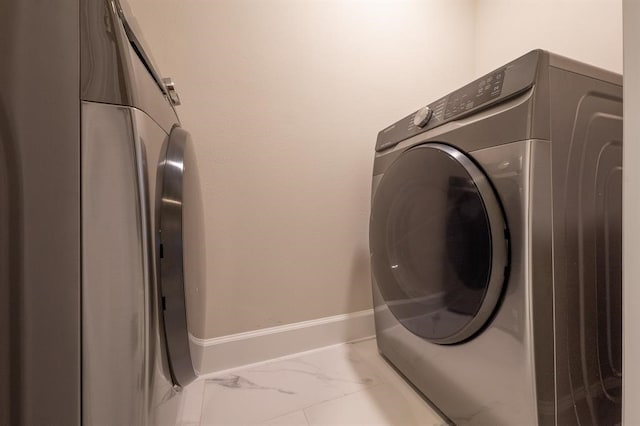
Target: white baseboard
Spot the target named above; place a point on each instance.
(222, 353)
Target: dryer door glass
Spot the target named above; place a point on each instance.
(181, 251)
(439, 243)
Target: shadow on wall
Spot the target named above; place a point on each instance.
(359, 278)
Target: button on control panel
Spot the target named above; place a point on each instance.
(503, 83)
(474, 94)
(422, 116)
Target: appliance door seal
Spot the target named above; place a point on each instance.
(439, 243)
(181, 248)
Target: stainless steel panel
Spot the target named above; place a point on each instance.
(115, 272)
(180, 234)
(39, 227)
(540, 231)
(501, 124)
(456, 378)
(574, 66)
(112, 71)
(125, 379)
(587, 154)
(164, 397)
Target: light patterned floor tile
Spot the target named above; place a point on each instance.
(368, 351)
(380, 405)
(191, 408)
(343, 384)
(296, 418)
(259, 393)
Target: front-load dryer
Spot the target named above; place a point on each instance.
(495, 239)
(142, 228)
(101, 222)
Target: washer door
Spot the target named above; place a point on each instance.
(181, 250)
(439, 243)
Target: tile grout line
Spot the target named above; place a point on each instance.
(304, 413)
(281, 415)
(303, 409)
(204, 385)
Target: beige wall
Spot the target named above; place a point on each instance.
(587, 30)
(284, 99)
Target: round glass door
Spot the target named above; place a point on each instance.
(439, 243)
(181, 251)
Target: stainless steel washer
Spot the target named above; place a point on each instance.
(101, 222)
(495, 240)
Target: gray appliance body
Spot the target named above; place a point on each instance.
(545, 133)
(103, 218)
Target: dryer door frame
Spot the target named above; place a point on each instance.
(444, 282)
(181, 248)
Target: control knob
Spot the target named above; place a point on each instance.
(422, 117)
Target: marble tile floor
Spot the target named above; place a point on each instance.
(348, 384)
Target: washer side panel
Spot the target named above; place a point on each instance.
(586, 132)
(40, 135)
(114, 368)
(541, 278)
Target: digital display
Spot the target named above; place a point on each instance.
(474, 94)
(485, 91)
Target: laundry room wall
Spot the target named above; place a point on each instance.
(284, 100)
(586, 30)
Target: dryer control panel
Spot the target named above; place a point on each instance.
(497, 86)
